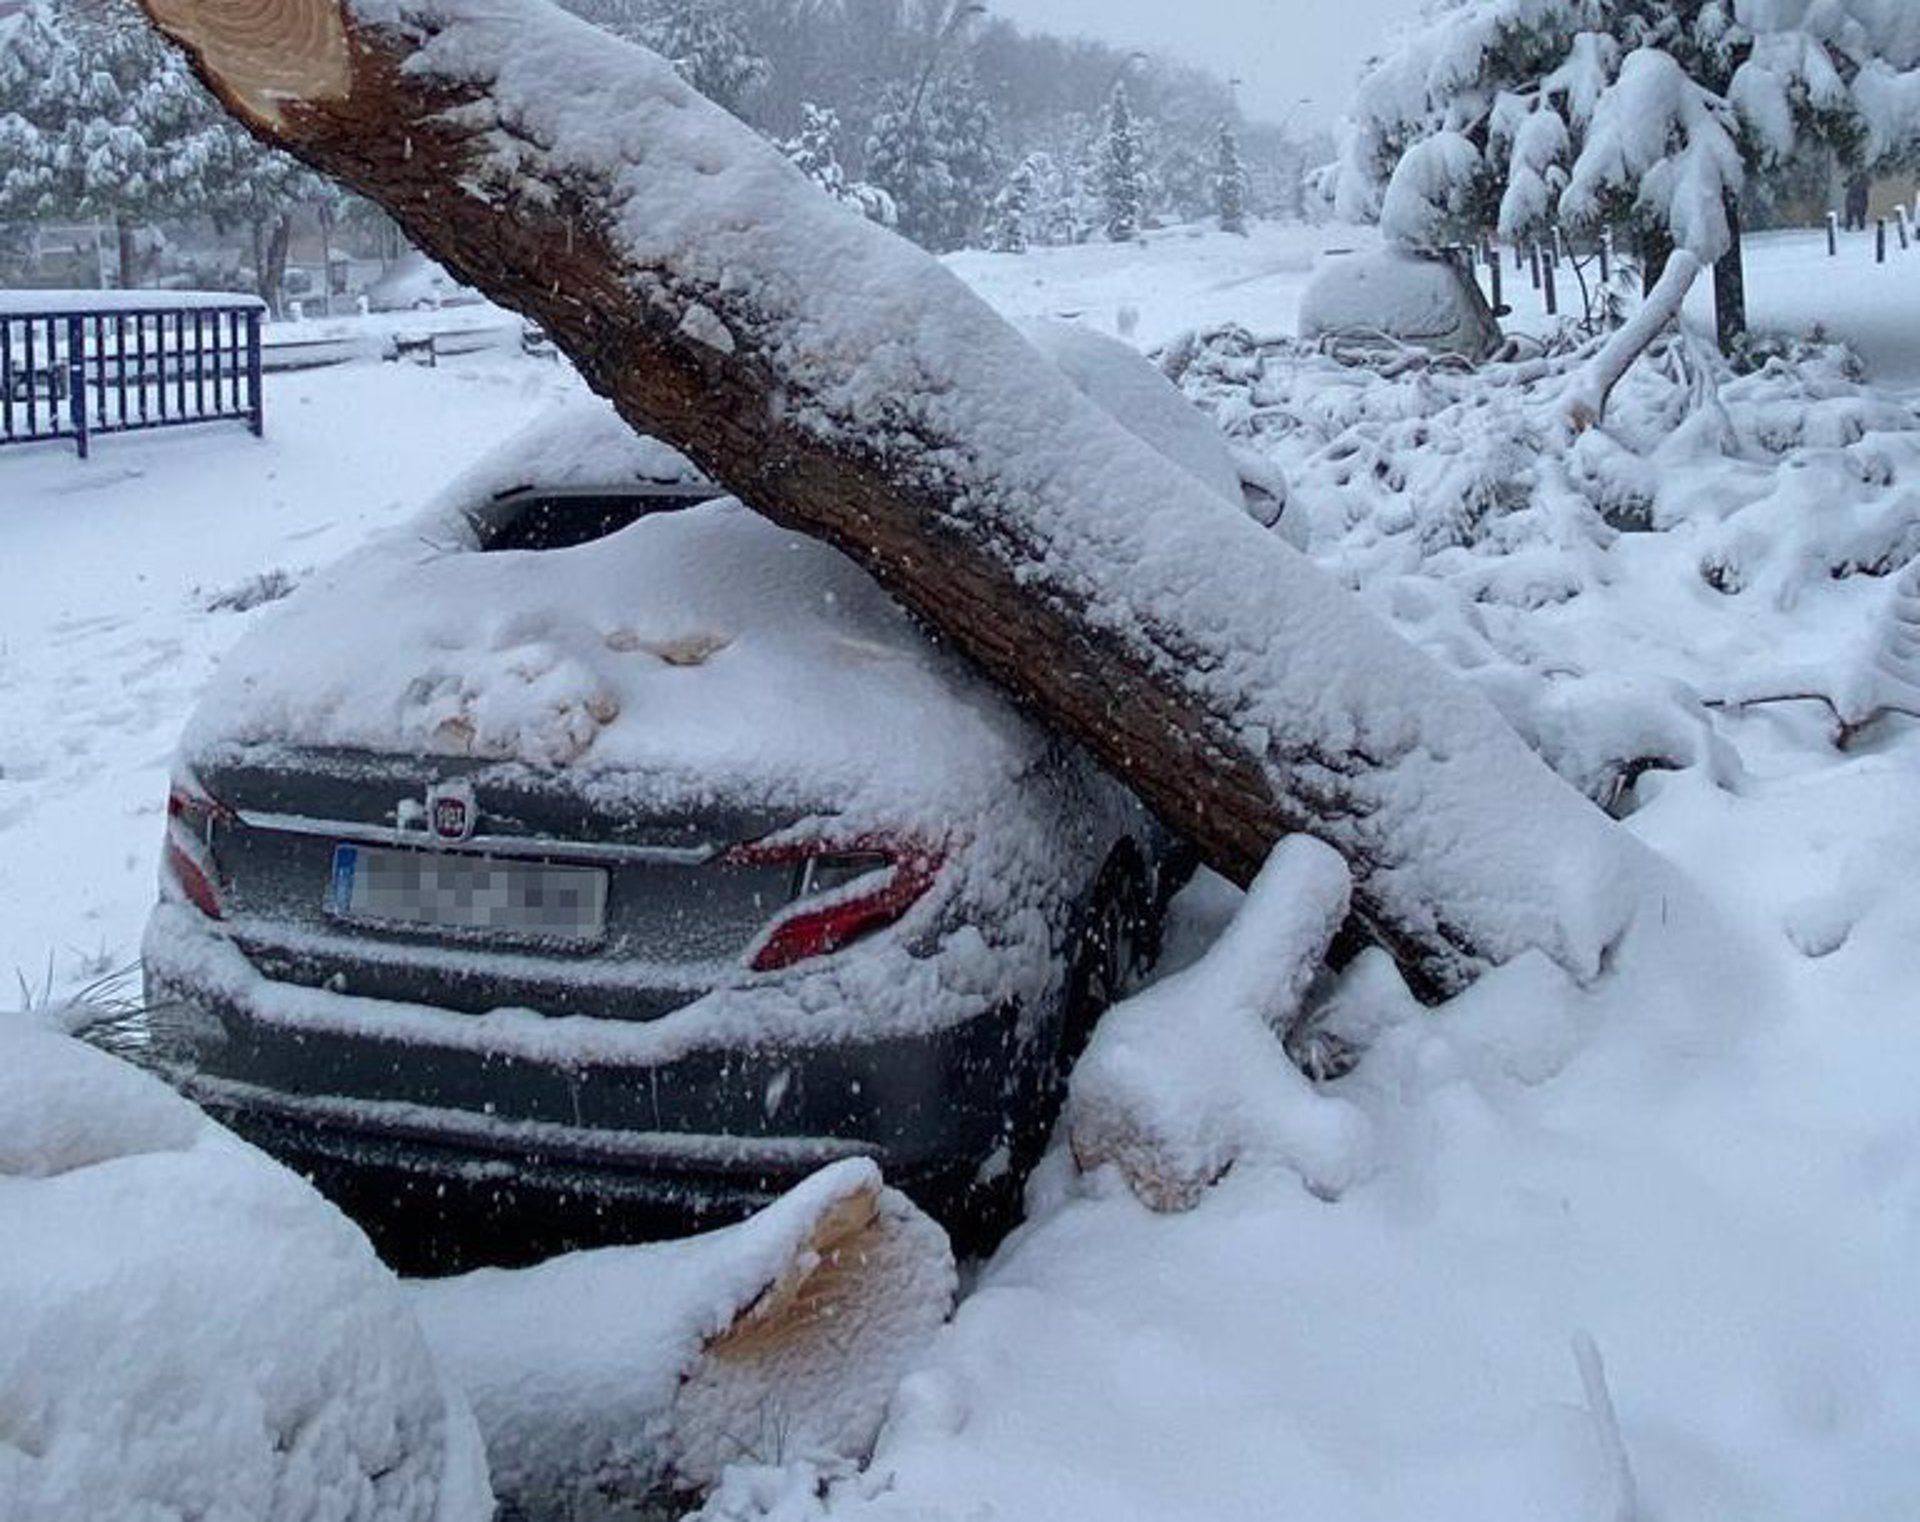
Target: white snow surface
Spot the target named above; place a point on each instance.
(1721, 1188)
(188, 1330)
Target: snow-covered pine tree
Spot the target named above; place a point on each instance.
(706, 41)
(1122, 182)
(107, 120)
(1229, 181)
(99, 118)
(1007, 226)
(815, 153)
(935, 151)
(1641, 115)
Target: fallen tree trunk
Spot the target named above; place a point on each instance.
(847, 385)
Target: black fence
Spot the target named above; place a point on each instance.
(110, 368)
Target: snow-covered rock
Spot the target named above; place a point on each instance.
(188, 1330)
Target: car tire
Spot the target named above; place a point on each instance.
(1111, 945)
(1114, 942)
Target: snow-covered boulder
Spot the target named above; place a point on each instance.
(1414, 298)
(188, 1330)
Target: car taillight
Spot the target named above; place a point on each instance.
(192, 813)
(842, 891)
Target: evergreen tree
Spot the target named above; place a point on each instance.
(101, 118)
(934, 151)
(1007, 229)
(1122, 186)
(1229, 181)
(707, 44)
(814, 153)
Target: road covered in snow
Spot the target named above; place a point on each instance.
(1638, 1250)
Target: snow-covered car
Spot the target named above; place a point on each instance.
(1426, 298)
(414, 283)
(592, 840)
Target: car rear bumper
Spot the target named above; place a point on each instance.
(585, 1143)
(440, 1191)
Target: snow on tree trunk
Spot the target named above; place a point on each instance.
(850, 387)
(1189, 1076)
(1586, 403)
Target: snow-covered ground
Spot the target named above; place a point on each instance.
(122, 575)
(1637, 1252)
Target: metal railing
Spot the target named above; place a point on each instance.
(93, 363)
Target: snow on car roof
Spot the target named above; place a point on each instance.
(703, 649)
(1113, 374)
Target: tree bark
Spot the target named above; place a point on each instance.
(1656, 248)
(129, 253)
(848, 386)
(272, 236)
(1730, 286)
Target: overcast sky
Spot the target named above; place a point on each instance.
(1283, 51)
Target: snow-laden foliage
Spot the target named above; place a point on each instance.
(934, 150)
(1521, 114)
(1007, 231)
(706, 41)
(99, 118)
(815, 154)
(1458, 502)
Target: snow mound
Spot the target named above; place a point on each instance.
(1189, 1077)
(187, 1330)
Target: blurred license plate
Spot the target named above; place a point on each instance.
(476, 893)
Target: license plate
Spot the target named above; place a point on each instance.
(527, 900)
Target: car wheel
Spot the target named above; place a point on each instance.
(1107, 954)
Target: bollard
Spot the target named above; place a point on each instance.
(1533, 263)
(1880, 240)
(1833, 235)
(1548, 289)
(1900, 225)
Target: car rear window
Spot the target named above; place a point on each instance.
(553, 518)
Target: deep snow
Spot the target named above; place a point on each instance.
(1710, 1171)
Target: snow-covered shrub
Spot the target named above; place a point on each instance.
(1739, 521)
(188, 1330)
